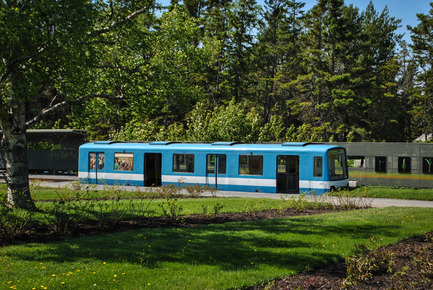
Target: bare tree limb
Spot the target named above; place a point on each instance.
(55, 107)
(117, 24)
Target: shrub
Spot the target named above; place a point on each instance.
(366, 261)
(13, 222)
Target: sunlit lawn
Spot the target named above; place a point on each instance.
(392, 192)
(221, 256)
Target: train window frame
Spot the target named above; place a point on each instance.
(318, 166)
(427, 165)
(380, 164)
(101, 160)
(337, 164)
(183, 163)
(404, 164)
(127, 165)
(222, 163)
(250, 165)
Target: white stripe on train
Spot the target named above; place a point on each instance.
(211, 180)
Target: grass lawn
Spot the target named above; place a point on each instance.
(391, 192)
(230, 255)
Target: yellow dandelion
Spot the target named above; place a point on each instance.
(115, 276)
(54, 275)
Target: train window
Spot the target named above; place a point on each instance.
(92, 161)
(210, 163)
(404, 164)
(287, 164)
(380, 164)
(318, 166)
(427, 165)
(337, 164)
(183, 163)
(96, 160)
(123, 161)
(356, 161)
(251, 164)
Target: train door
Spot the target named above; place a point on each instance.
(215, 166)
(96, 166)
(287, 174)
(152, 169)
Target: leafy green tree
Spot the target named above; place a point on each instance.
(233, 122)
(159, 71)
(49, 53)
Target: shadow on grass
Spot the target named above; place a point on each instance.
(293, 244)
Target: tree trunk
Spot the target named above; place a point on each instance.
(14, 143)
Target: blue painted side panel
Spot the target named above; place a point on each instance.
(237, 182)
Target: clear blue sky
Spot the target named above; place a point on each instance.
(406, 10)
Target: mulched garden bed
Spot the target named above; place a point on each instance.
(412, 265)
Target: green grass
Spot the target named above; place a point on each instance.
(230, 255)
(91, 209)
(391, 192)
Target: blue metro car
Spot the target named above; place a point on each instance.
(227, 166)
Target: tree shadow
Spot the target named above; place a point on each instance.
(292, 244)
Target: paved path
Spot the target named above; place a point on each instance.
(374, 202)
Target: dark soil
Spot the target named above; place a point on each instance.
(412, 268)
(411, 275)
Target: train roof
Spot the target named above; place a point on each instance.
(229, 146)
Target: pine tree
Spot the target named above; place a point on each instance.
(422, 47)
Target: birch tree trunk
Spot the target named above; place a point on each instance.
(14, 143)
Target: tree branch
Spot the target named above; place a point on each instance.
(117, 24)
(55, 107)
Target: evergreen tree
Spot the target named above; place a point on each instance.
(217, 81)
(378, 84)
(325, 94)
(276, 53)
(242, 21)
(422, 47)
